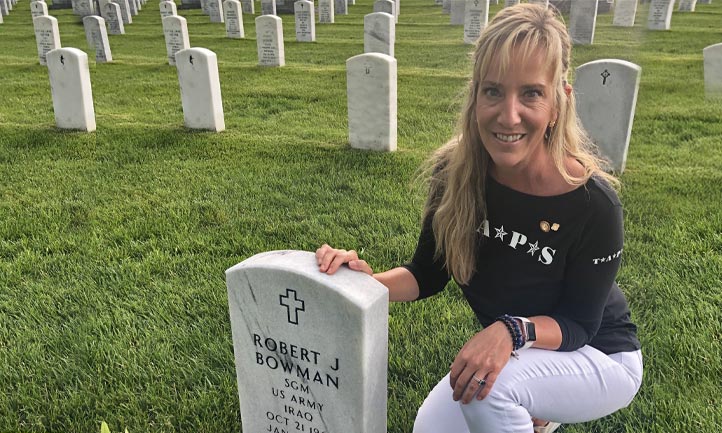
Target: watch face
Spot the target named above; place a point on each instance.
(530, 331)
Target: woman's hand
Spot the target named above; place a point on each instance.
(330, 259)
(483, 357)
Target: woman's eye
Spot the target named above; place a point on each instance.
(492, 92)
(534, 93)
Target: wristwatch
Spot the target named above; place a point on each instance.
(529, 332)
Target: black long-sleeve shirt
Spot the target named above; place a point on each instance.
(556, 256)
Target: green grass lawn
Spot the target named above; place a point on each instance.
(113, 244)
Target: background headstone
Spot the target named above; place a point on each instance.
(71, 90)
(713, 71)
(583, 21)
(372, 101)
(606, 92)
(311, 349)
(340, 7)
(47, 36)
(540, 2)
(124, 11)
(476, 17)
(305, 21)
(379, 33)
(687, 5)
(215, 11)
(269, 41)
(446, 7)
(4, 7)
(190, 4)
(660, 15)
(624, 13)
(38, 8)
(167, 9)
(562, 5)
(325, 11)
(83, 8)
(508, 3)
(268, 7)
(114, 18)
(97, 36)
(385, 6)
(175, 29)
(200, 89)
(234, 19)
(248, 7)
(457, 12)
(132, 8)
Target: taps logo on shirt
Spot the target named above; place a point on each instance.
(607, 259)
(544, 255)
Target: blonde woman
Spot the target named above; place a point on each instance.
(521, 214)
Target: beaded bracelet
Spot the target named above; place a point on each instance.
(517, 337)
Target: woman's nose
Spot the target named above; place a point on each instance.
(509, 112)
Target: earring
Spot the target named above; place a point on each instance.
(552, 124)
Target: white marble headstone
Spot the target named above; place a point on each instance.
(175, 29)
(305, 21)
(1, 17)
(340, 7)
(4, 8)
(97, 36)
(83, 8)
(540, 2)
(372, 101)
(476, 17)
(38, 8)
(606, 92)
(311, 349)
(457, 12)
(248, 7)
(268, 7)
(269, 41)
(234, 19)
(124, 11)
(101, 9)
(47, 35)
(379, 33)
(71, 90)
(624, 13)
(508, 3)
(215, 11)
(133, 7)
(325, 11)
(114, 18)
(687, 5)
(660, 15)
(713, 71)
(200, 89)
(167, 9)
(385, 6)
(583, 21)
(446, 7)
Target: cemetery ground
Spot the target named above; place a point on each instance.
(113, 244)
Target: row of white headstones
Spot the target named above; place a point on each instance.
(6, 6)
(606, 90)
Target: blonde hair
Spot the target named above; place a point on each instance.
(456, 194)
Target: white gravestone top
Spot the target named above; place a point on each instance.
(167, 9)
(379, 33)
(269, 41)
(340, 7)
(713, 71)
(200, 89)
(114, 18)
(268, 7)
(544, 3)
(47, 35)
(71, 90)
(4, 8)
(325, 11)
(508, 3)
(660, 15)
(215, 11)
(305, 21)
(476, 17)
(624, 13)
(687, 5)
(124, 11)
(38, 8)
(233, 12)
(248, 7)
(311, 349)
(83, 7)
(175, 29)
(372, 101)
(385, 6)
(583, 21)
(606, 92)
(97, 36)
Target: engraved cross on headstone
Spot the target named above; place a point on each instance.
(292, 315)
(605, 75)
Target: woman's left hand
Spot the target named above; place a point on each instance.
(483, 357)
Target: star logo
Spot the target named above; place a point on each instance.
(533, 248)
(500, 233)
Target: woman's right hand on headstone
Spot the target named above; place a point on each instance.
(330, 259)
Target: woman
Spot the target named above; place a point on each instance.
(522, 216)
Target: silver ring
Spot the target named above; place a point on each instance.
(481, 382)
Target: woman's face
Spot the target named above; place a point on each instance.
(513, 111)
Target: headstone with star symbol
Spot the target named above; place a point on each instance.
(200, 88)
(476, 17)
(311, 349)
(305, 21)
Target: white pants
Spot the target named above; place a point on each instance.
(564, 387)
